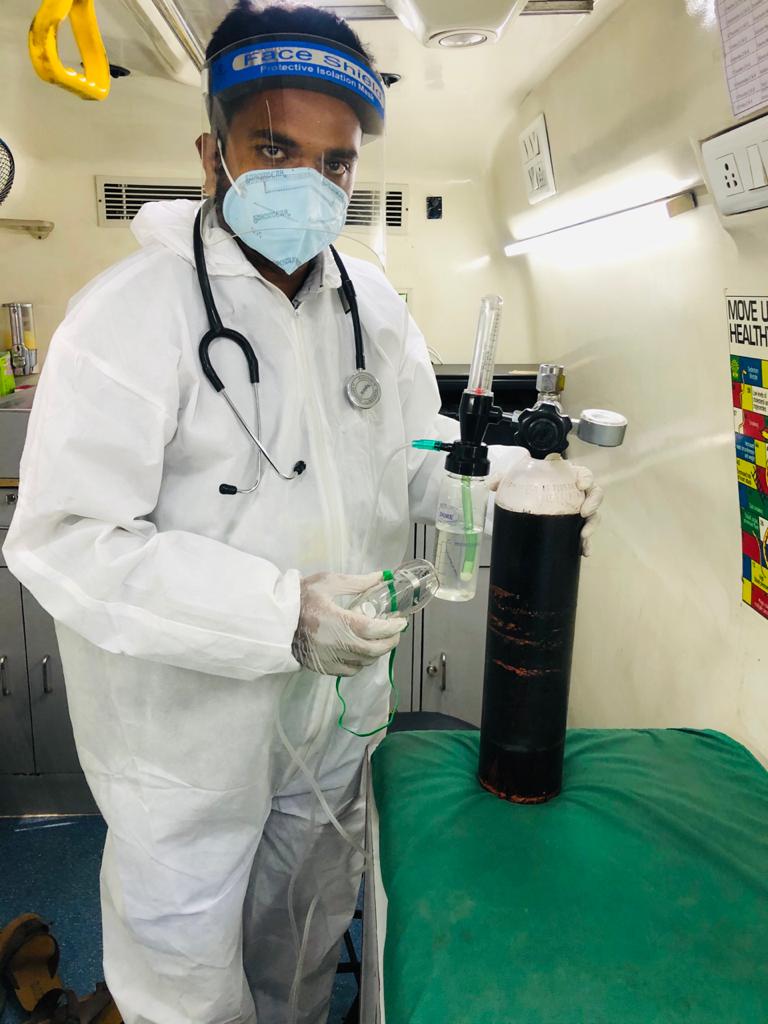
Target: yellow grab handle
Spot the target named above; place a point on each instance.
(94, 83)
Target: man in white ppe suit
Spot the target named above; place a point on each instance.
(194, 626)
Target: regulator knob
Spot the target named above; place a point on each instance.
(543, 430)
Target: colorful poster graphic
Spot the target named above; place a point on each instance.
(748, 331)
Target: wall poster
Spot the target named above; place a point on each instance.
(744, 30)
(748, 331)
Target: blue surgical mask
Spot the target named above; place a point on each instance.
(288, 215)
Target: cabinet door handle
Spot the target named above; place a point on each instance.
(433, 670)
(47, 688)
(3, 685)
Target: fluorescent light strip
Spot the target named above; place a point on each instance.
(678, 202)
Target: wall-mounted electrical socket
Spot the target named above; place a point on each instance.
(728, 174)
(736, 167)
(537, 161)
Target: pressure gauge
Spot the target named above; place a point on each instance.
(601, 427)
(363, 390)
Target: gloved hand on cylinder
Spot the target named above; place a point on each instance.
(333, 641)
(593, 497)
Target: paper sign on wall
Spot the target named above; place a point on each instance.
(748, 330)
(744, 29)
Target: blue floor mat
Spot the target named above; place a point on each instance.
(50, 867)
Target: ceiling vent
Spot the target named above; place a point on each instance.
(365, 208)
(120, 199)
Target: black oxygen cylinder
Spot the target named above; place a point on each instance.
(534, 583)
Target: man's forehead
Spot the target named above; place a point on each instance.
(301, 112)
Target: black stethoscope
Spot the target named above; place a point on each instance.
(362, 388)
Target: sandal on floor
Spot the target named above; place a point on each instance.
(105, 1006)
(29, 959)
(60, 1006)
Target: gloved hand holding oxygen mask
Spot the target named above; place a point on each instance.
(336, 641)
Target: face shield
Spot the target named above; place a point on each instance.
(291, 124)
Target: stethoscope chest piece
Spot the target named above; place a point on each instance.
(363, 389)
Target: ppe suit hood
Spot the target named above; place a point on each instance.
(170, 225)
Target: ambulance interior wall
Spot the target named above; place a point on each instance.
(146, 128)
(635, 309)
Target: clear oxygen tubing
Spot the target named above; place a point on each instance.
(293, 1001)
(301, 947)
(422, 444)
(425, 445)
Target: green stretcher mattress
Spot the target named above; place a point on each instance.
(638, 896)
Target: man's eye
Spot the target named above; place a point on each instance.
(273, 152)
(338, 167)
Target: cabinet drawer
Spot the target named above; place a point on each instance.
(9, 495)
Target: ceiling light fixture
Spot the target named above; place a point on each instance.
(454, 39)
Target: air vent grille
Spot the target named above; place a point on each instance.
(365, 208)
(119, 200)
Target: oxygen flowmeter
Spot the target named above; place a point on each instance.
(463, 498)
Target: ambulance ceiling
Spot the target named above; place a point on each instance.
(539, 38)
(445, 114)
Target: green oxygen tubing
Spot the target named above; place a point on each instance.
(388, 577)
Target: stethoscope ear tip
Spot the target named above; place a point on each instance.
(227, 489)
(299, 468)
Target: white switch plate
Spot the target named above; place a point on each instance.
(736, 168)
(537, 161)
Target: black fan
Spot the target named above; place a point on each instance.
(7, 168)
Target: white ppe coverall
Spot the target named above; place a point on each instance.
(176, 605)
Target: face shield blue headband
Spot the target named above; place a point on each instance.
(289, 215)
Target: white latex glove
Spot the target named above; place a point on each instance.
(333, 641)
(593, 497)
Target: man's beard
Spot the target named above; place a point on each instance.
(222, 187)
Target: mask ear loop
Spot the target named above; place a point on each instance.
(232, 181)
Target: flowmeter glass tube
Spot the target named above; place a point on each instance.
(487, 337)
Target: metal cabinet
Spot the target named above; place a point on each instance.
(51, 727)
(453, 647)
(16, 745)
(454, 655)
(440, 661)
(39, 769)
(35, 731)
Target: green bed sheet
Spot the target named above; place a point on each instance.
(638, 896)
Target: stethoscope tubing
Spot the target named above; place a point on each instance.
(217, 330)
